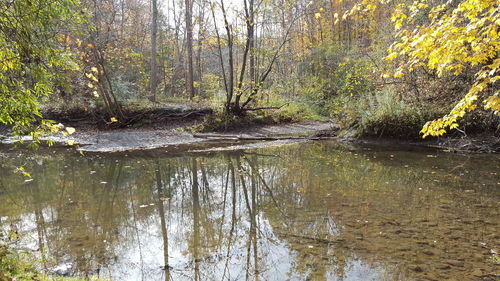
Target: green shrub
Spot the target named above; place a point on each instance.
(386, 114)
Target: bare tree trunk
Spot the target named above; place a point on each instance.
(189, 46)
(154, 70)
(251, 35)
(201, 35)
(237, 108)
(230, 42)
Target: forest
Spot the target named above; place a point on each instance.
(397, 69)
(249, 140)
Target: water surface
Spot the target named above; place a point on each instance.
(315, 211)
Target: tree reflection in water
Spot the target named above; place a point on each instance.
(310, 212)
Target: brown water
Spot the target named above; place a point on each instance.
(316, 211)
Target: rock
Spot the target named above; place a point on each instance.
(455, 263)
(417, 268)
(429, 252)
(443, 266)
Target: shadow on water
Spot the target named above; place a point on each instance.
(316, 211)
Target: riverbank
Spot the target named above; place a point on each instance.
(479, 143)
(175, 137)
(176, 129)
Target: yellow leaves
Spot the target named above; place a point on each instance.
(317, 15)
(90, 45)
(438, 127)
(386, 75)
(94, 69)
(493, 103)
(398, 74)
(422, 6)
(391, 56)
(371, 7)
(70, 130)
(454, 40)
(71, 142)
(22, 171)
(91, 76)
(398, 17)
(113, 120)
(90, 85)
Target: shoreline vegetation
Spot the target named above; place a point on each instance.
(159, 123)
(380, 71)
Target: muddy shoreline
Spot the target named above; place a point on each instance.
(175, 137)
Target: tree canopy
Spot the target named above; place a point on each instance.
(33, 61)
(370, 64)
(456, 37)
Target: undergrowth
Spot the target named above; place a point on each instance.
(292, 112)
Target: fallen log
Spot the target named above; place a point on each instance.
(264, 138)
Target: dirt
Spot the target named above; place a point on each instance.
(166, 128)
(175, 138)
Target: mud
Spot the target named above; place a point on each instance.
(175, 138)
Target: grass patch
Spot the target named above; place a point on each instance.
(384, 114)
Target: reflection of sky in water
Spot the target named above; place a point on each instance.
(102, 216)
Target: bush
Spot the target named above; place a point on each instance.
(386, 114)
(333, 76)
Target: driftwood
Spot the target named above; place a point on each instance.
(264, 138)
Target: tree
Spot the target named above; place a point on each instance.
(242, 88)
(154, 70)
(33, 60)
(457, 36)
(189, 46)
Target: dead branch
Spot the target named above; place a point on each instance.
(263, 138)
(265, 108)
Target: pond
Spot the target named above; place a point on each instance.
(313, 211)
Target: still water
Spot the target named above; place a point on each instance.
(315, 211)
